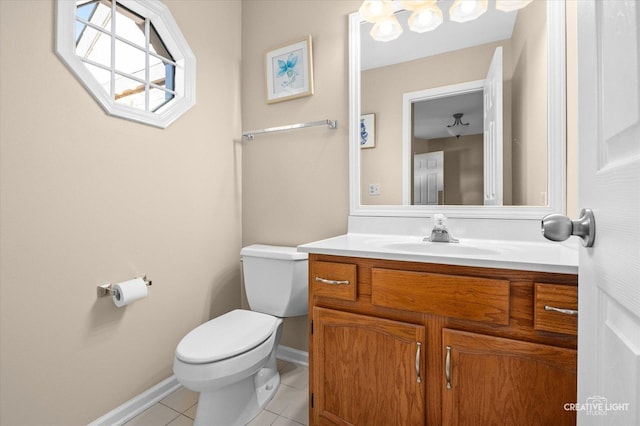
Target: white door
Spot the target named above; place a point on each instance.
(492, 93)
(428, 177)
(609, 184)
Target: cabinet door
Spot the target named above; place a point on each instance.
(490, 380)
(367, 371)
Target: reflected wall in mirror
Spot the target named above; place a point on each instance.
(511, 154)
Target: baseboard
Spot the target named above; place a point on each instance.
(122, 414)
(138, 404)
(295, 356)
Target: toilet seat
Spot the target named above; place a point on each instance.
(226, 336)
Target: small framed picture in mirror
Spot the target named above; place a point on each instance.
(368, 131)
(289, 71)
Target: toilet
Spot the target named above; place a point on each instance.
(231, 360)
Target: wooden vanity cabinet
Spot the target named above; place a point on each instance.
(491, 380)
(370, 368)
(408, 343)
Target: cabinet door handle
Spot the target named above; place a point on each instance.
(332, 282)
(447, 367)
(419, 380)
(561, 310)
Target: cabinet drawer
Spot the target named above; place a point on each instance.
(556, 308)
(332, 279)
(471, 298)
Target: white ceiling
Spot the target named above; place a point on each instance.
(432, 116)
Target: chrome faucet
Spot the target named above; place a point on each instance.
(440, 233)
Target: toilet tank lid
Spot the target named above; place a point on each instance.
(273, 252)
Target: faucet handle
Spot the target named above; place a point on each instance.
(440, 233)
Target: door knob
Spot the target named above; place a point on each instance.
(557, 227)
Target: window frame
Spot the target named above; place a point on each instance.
(185, 62)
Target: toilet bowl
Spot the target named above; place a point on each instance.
(230, 360)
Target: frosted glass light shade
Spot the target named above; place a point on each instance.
(376, 10)
(457, 131)
(467, 10)
(511, 5)
(426, 19)
(386, 30)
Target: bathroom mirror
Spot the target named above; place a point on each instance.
(441, 73)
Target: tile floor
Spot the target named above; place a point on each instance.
(289, 407)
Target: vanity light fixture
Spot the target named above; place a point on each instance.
(426, 15)
(467, 10)
(458, 128)
(414, 5)
(375, 11)
(381, 13)
(426, 18)
(386, 30)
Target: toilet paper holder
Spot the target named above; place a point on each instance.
(106, 290)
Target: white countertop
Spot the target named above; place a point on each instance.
(505, 254)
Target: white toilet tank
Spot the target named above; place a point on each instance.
(276, 279)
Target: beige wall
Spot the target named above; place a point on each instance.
(463, 167)
(295, 184)
(383, 164)
(88, 199)
(529, 103)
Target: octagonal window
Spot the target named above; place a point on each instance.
(130, 55)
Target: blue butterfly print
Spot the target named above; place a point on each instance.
(288, 67)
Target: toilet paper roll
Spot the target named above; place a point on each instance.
(129, 291)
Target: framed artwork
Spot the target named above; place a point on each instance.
(289, 71)
(368, 131)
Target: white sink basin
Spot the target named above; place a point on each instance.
(542, 256)
(427, 247)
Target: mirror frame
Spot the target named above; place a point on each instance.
(556, 136)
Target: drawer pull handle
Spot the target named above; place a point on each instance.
(561, 310)
(332, 282)
(447, 367)
(419, 380)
